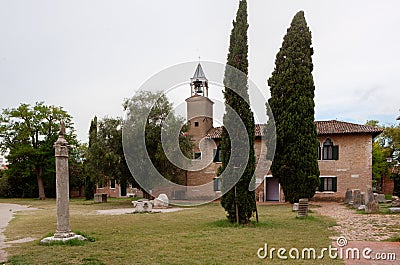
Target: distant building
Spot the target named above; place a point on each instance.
(3, 162)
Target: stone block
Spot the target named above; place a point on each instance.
(369, 196)
(372, 207)
(303, 208)
(357, 199)
(394, 210)
(348, 196)
(395, 201)
(142, 206)
(380, 198)
(100, 197)
(161, 201)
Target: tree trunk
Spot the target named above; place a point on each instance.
(39, 173)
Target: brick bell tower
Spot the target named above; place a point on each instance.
(199, 107)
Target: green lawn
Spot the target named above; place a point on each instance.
(199, 235)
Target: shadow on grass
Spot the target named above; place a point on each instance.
(225, 223)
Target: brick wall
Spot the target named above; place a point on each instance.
(207, 174)
(387, 185)
(115, 193)
(354, 167)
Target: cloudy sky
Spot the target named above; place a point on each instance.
(87, 56)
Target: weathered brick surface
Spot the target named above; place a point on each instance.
(354, 167)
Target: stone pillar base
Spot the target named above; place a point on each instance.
(61, 237)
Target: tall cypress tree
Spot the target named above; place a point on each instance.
(292, 103)
(239, 202)
(89, 182)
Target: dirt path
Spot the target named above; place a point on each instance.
(6, 214)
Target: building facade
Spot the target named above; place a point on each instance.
(344, 154)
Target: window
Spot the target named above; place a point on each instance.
(112, 184)
(100, 184)
(217, 154)
(217, 184)
(197, 155)
(196, 124)
(328, 184)
(319, 151)
(330, 151)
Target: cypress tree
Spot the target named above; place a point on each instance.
(238, 201)
(89, 182)
(292, 103)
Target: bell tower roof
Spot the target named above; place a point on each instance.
(199, 73)
(199, 82)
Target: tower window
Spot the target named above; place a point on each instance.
(196, 124)
(197, 155)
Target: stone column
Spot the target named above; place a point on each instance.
(62, 186)
(63, 232)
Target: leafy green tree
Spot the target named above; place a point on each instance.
(28, 134)
(292, 103)
(76, 163)
(380, 153)
(104, 160)
(385, 154)
(239, 202)
(391, 135)
(159, 115)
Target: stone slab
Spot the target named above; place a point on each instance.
(52, 239)
(394, 210)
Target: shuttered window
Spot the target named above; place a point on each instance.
(330, 151)
(328, 184)
(217, 154)
(217, 184)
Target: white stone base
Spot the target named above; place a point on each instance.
(62, 237)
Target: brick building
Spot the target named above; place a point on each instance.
(345, 155)
(345, 151)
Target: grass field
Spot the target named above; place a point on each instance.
(198, 235)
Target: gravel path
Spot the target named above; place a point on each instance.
(6, 214)
(361, 227)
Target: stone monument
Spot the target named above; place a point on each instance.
(356, 198)
(63, 232)
(161, 201)
(349, 196)
(303, 208)
(371, 205)
(142, 206)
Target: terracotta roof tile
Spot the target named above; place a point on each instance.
(341, 127)
(323, 127)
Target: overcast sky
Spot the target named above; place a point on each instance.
(87, 56)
